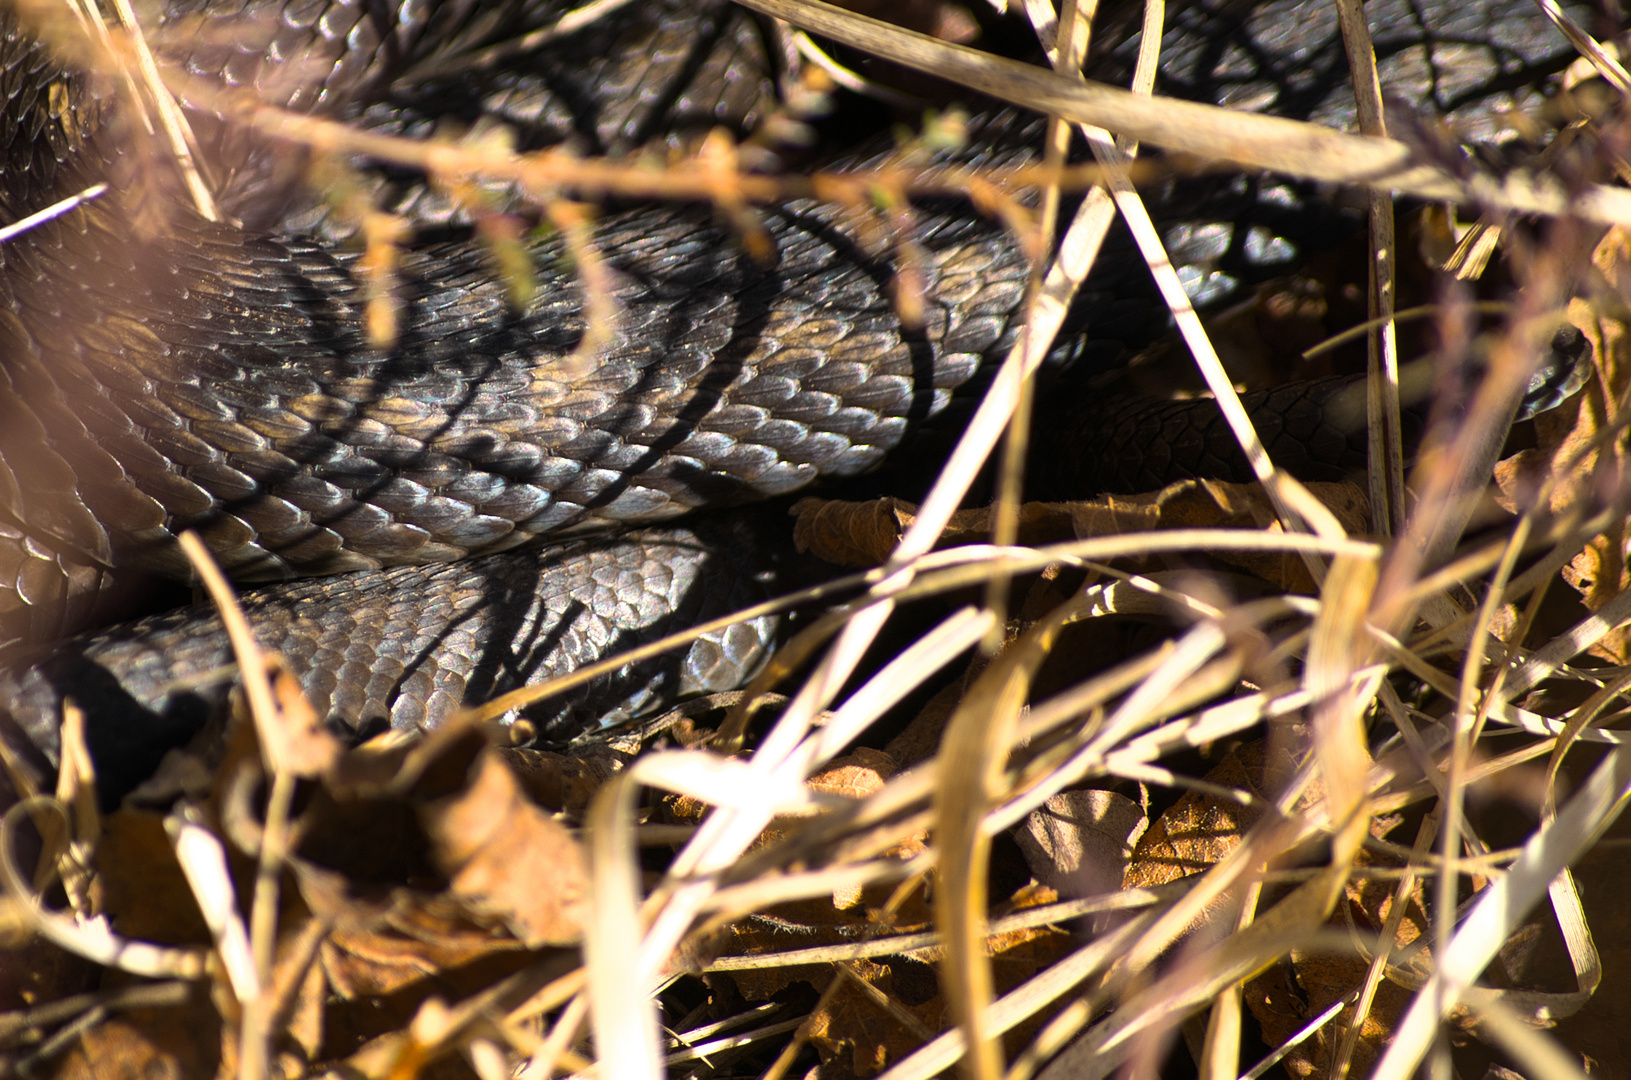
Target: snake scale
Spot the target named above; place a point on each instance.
(219, 377)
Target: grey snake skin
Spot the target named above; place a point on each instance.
(189, 375)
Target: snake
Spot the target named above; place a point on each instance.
(463, 509)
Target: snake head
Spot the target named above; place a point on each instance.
(1560, 376)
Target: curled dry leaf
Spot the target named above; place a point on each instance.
(418, 936)
(304, 744)
(374, 979)
(503, 856)
(1196, 504)
(851, 533)
(411, 857)
(373, 942)
(864, 534)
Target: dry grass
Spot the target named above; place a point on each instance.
(1292, 869)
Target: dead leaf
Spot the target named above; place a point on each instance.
(419, 938)
(1079, 842)
(845, 917)
(504, 857)
(143, 890)
(864, 534)
(374, 977)
(297, 739)
(921, 738)
(803, 924)
(864, 1026)
(1286, 997)
(882, 1008)
(181, 1042)
(855, 776)
(562, 781)
(1200, 829)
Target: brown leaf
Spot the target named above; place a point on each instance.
(143, 889)
(1079, 842)
(1533, 961)
(301, 741)
(1598, 573)
(863, 534)
(174, 1043)
(1200, 829)
(420, 937)
(921, 738)
(803, 924)
(856, 776)
(683, 809)
(1286, 997)
(864, 1026)
(863, 1030)
(504, 857)
(562, 781)
(409, 854)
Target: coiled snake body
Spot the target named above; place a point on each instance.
(190, 375)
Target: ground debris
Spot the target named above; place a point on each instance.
(865, 533)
